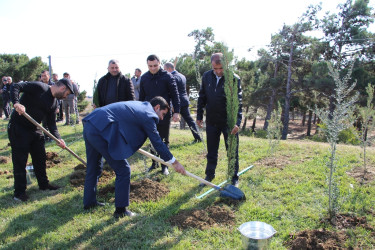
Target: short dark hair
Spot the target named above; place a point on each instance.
(44, 71)
(137, 69)
(216, 58)
(169, 65)
(153, 58)
(161, 101)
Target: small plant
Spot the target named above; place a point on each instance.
(336, 121)
(274, 130)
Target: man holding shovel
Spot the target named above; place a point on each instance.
(40, 101)
(116, 131)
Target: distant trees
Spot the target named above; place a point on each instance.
(20, 67)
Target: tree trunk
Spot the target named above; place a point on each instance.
(303, 118)
(288, 94)
(245, 121)
(309, 123)
(314, 122)
(254, 123)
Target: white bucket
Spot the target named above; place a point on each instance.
(30, 174)
(256, 235)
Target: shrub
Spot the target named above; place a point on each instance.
(349, 136)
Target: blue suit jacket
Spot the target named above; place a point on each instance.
(181, 86)
(126, 126)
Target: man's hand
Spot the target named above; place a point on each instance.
(200, 123)
(57, 110)
(235, 130)
(61, 143)
(19, 108)
(178, 167)
(176, 117)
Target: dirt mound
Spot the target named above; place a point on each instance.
(52, 159)
(203, 219)
(317, 239)
(360, 175)
(274, 162)
(346, 221)
(147, 190)
(77, 178)
(80, 167)
(4, 159)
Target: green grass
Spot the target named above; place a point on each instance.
(291, 198)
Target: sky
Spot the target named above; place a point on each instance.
(82, 36)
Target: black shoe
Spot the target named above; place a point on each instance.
(49, 187)
(235, 182)
(97, 204)
(153, 166)
(208, 178)
(197, 140)
(22, 197)
(123, 214)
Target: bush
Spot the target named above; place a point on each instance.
(349, 136)
(82, 105)
(261, 134)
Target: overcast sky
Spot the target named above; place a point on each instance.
(82, 36)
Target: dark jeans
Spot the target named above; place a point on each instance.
(96, 147)
(213, 141)
(6, 106)
(185, 113)
(61, 111)
(24, 141)
(163, 128)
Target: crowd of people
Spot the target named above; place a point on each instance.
(127, 111)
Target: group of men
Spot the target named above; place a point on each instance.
(122, 121)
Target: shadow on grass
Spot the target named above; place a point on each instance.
(145, 230)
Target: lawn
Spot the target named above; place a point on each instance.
(287, 190)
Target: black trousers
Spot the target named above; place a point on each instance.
(24, 141)
(185, 113)
(163, 128)
(213, 141)
(6, 106)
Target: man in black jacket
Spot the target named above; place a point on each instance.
(113, 87)
(158, 82)
(40, 101)
(212, 98)
(184, 100)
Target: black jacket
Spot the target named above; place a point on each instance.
(213, 98)
(160, 84)
(181, 86)
(125, 89)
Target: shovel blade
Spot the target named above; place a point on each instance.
(231, 191)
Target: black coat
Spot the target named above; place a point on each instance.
(213, 99)
(125, 89)
(181, 86)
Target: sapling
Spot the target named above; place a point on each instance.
(231, 94)
(274, 130)
(336, 121)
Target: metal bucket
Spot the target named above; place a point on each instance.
(30, 174)
(256, 235)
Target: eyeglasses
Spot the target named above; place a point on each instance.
(5, 80)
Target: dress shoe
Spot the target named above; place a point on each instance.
(49, 187)
(165, 171)
(208, 178)
(153, 166)
(197, 140)
(97, 204)
(123, 214)
(235, 182)
(22, 197)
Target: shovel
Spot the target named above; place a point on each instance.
(52, 136)
(229, 191)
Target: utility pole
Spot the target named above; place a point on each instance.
(50, 66)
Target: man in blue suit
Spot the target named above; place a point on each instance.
(184, 100)
(116, 131)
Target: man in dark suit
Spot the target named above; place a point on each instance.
(158, 82)
(184, 99)
(115, 132)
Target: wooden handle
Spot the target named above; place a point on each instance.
(149, 155)
(52, 136)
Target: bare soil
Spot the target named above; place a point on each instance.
(4, 172)
(52, 159)
(274, 162)
(362, 176)
(203, 218)
(4, 159)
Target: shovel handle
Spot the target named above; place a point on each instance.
(52, 136)
(170, 165)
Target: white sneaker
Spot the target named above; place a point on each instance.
(165, 171)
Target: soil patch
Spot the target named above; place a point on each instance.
(147, 190)
(77, 178)
(203, 218)
(4, 159)
(4, 172)
(360, 175)
(346, 221)
(274, 162)
(317, 239)
(52, 159)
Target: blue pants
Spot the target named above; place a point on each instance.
(185, 113)
(96, 147)
(213, 141)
